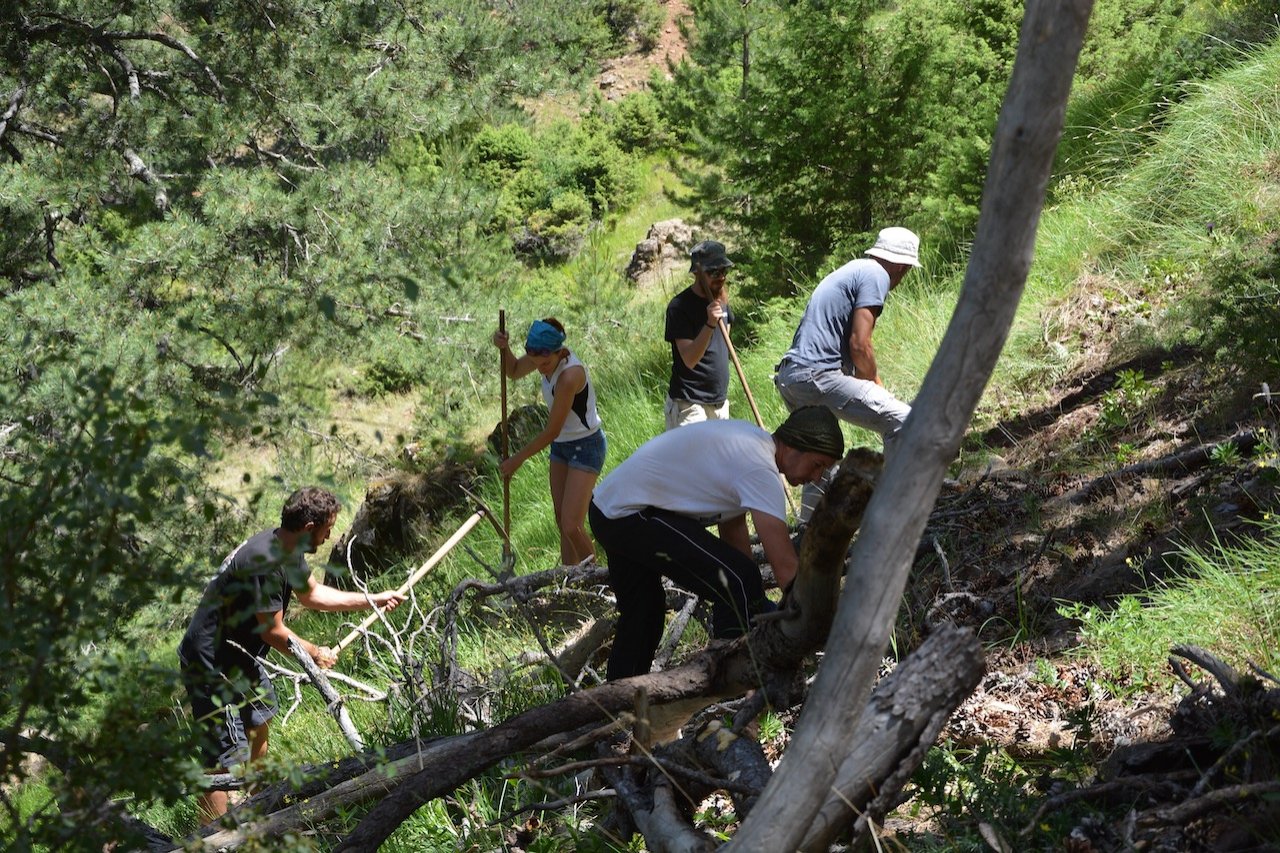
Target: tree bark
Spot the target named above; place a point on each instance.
(1021, 159)
(903, 719)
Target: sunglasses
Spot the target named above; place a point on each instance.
(720, 273)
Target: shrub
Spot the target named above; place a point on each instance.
(637, 124)
(557, 233)
(501, 152)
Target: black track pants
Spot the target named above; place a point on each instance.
(643, 547)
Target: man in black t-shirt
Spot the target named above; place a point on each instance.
(699, 386)
(240, 618)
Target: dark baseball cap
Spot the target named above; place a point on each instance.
(709, 255)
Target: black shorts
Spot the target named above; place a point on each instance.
(224, 713)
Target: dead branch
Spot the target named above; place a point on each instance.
(675, 630)
(520, 588)
(336, 706)
(1237, 749)
(139, 169)
(658, 818)
(1223, 673)
(1234, 795)
(1173, 783)
(735, 757)
(1182, 462)
(175, 44)
(557, 805)
(902, 721)
(15, 103)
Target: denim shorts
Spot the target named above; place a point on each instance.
(585, 454)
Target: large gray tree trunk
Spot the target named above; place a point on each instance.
(1021, 159)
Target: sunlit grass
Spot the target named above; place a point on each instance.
(1221, 598)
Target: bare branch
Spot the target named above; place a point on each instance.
(140, 170)
(336, 706)
(15, 103)
(171, 42)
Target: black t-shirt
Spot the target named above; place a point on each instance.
(708, 381)
(256, 578)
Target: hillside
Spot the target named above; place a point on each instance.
(299, 286)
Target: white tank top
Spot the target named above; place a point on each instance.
(583, 419)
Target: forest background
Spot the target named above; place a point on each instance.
(248, 247)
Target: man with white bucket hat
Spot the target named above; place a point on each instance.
(831, 361)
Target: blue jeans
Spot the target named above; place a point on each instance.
(585, 454)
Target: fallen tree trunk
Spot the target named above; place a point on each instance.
(778, 644)
(903, 719)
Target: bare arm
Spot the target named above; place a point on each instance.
(778, 550)
(693, 349)
(860, 349)
(568, 385)
(276, 635)
(318, 596)
(515, 368)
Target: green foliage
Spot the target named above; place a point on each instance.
(101, 519)
(637, 123)
(556, 185)
(1241, 306)
(1126, 401)
(1141, 58)
(960, 789)
(557, 232)
(828, 152)
(501, 152)
(1221, 597)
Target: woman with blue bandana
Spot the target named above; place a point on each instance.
(573, 430)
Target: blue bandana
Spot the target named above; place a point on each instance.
(543, 336)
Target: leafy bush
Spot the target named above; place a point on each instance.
(557, 233)
(501, 152)
(555, 184)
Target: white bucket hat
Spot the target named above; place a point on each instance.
(897, 246)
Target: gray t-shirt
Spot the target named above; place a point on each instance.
(822, 338)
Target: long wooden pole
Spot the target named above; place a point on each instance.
(418, 575)
(742, 377)
(507, 558)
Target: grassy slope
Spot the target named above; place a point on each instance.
(1203, 172)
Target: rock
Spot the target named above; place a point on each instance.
(397, 512)
(663, 253)
(522, 425)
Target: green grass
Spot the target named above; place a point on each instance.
(1222, 598)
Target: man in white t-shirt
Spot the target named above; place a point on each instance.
(651, 515)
